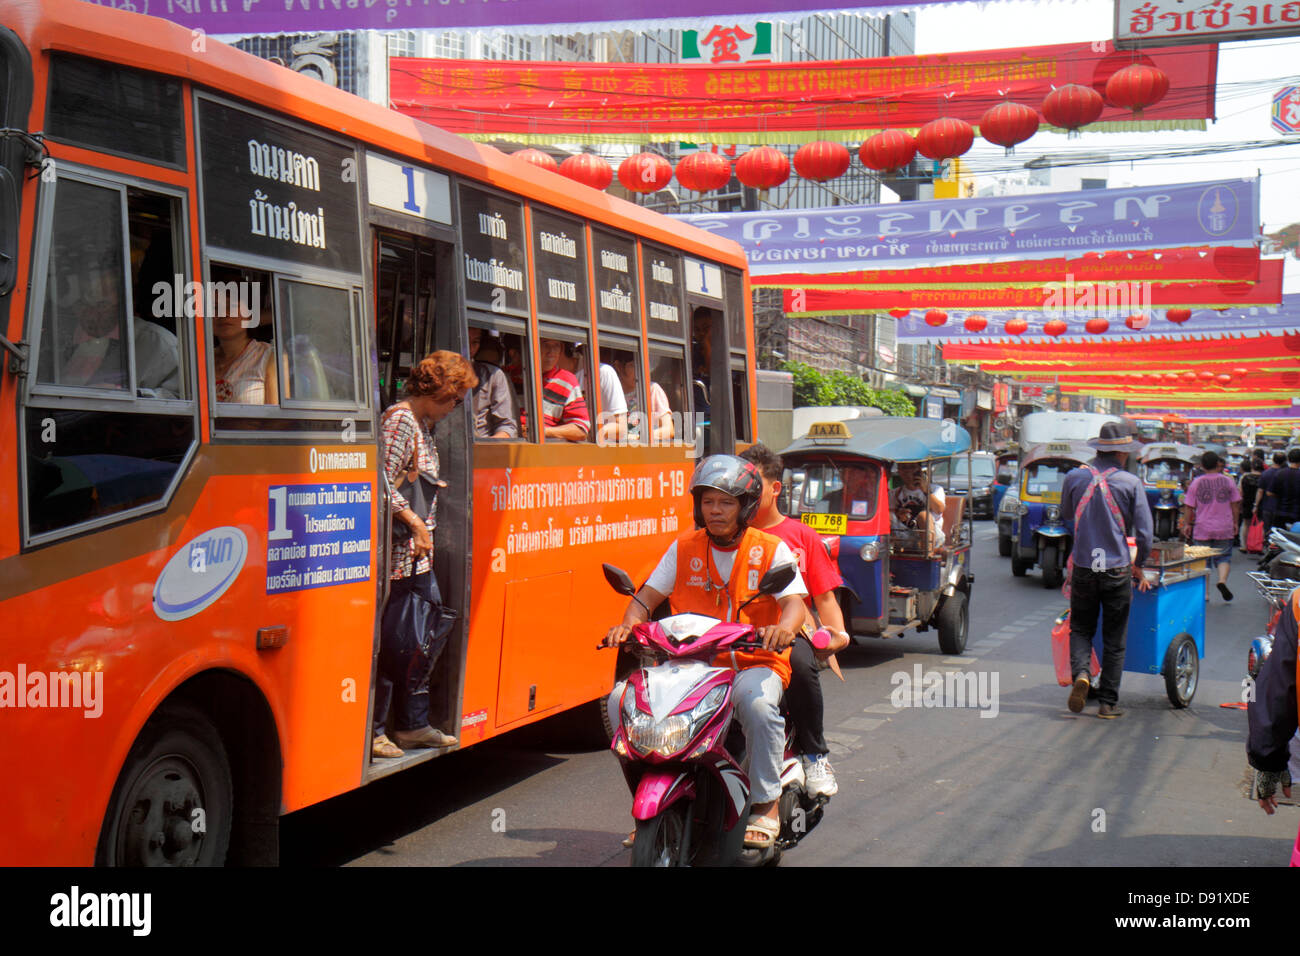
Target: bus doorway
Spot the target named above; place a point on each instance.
(417, 312)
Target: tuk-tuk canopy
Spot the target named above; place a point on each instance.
(890, 439)
(1079, 451)
(1169, 449)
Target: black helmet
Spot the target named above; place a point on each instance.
(730, 475)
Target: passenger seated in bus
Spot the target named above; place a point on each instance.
(908, 503)
(495, 413)
(659, 422)
(564, 410)
(612, 402)
(94, 356)
(244, 366)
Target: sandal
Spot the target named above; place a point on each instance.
(770, 830)
(381, 746)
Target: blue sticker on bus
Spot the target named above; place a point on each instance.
(317, 536)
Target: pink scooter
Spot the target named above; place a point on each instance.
(680, 751)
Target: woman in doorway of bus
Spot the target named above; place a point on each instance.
(436, 386)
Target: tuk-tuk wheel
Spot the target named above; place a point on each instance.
(1004, 545)
(1052, 573)
(953, 622)
(1182, 669)
(1019, 566)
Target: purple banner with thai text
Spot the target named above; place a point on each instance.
(847, 238)
(314, 16)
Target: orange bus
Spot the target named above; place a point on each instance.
(190, 576)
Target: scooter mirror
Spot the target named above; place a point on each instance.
(618, 579)
(777, 579)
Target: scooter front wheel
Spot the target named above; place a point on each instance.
(661, 840)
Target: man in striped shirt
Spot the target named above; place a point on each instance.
(564, 410)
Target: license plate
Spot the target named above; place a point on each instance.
(1052, 496)
(1166, 484)
(826, 524)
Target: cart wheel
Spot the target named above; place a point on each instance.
(1182, 669)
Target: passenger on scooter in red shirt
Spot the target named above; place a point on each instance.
(713, 571)
(804, 695)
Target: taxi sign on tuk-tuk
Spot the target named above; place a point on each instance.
(826, 524)
(1059, 448)
(831, 433)
(1162, 451)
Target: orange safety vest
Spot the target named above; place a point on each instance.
(697, 590)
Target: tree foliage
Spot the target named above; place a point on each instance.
(812, 388)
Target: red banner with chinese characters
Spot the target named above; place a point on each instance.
(1080, 297)
(776, 102)
(1187, 264)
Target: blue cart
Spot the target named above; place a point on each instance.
(1166, 627)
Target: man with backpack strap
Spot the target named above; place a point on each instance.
(1104, 503)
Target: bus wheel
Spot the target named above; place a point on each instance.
(173, 799)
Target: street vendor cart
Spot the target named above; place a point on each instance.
(1166, 624)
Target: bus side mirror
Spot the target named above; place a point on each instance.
(618, 579)
(777, 579)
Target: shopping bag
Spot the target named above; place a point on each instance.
(1255, 536)
(1061, 652)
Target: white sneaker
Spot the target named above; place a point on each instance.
(819, 777)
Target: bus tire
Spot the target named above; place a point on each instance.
(173, 801)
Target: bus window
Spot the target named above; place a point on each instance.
(243, 353)
(318, 344)
(498, 359)
(404, 308)
(632, 424)
(701, 361)
(566, 413)
(668, 376)
(740, 397)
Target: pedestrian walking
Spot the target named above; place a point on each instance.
(1211, 511)
(1104, 503)
(1272, 716)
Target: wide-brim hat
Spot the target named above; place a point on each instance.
(1114, 437)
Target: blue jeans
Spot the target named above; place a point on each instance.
(1108, 595)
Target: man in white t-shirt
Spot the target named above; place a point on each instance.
(613, 403)
(915, 504)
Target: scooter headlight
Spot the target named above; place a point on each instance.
(1052, 514)
(668, 736)
(1166, 494)
(870, 551)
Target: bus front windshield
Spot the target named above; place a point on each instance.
(844, 488)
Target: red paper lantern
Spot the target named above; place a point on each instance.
(900, 313)
(944, 138)
(763, 168)
(936, 317)
(1171, 378)
(821, 160)
(1223, 378)
(1240, 371)
(1188, 376)
(891, 149)
(1072, 106)
(1235, 262)
(1137, 86)
(1137, 321)
(1016, 327)
(1055, 327)
(976, 323)
(1008, 124)
(1178, 316)
(645, 173)
(538, 158)
(588, 169)
(1096, 325)
(704, 172)
(1205, 375)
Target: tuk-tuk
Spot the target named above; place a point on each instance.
(901, 570)
(1166, 471)
(1039, 535)
(1006, 464)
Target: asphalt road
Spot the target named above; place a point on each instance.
(919, 786)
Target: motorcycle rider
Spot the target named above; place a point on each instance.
(712, 571)
(1273, 715)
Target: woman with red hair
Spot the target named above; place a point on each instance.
(436, 386)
